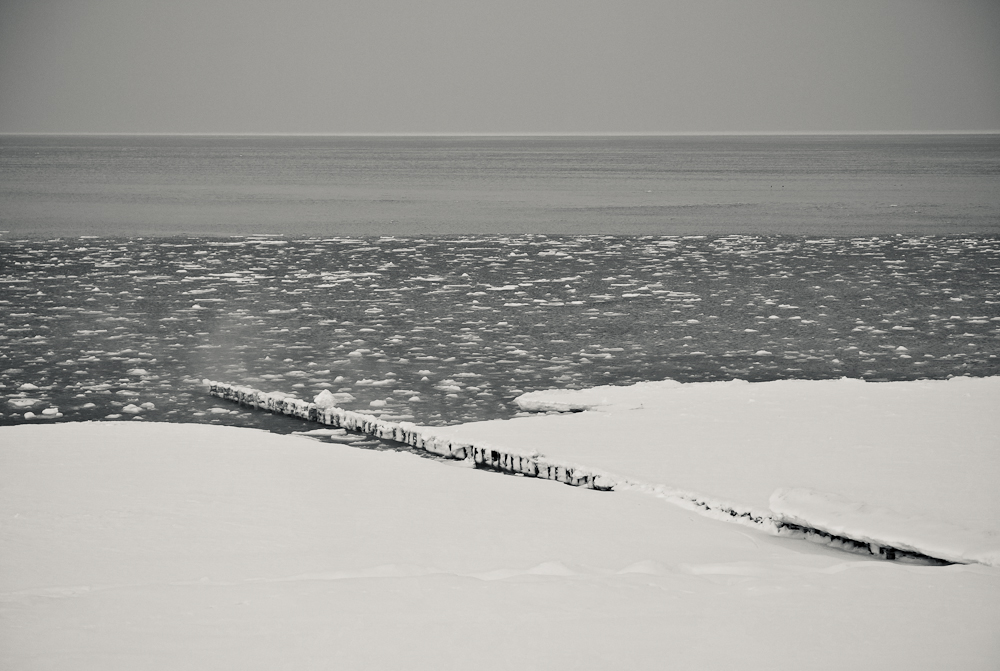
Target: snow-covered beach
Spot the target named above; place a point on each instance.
(197, 546)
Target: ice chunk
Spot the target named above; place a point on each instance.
(347, 438)
(376, 383)
(321, 432)
(23, 402)
(328, 399)
(324, 399)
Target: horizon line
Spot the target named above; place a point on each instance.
(511, 134)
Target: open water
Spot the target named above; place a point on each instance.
(505, 265)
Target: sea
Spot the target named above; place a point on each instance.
(435, 279)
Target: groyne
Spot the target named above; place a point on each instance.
(505, 460)
(533, 464)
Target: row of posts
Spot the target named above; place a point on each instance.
(483, 456)
(508, 461)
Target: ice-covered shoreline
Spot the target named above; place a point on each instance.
(502, 446)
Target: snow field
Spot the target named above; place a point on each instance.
(165, 546)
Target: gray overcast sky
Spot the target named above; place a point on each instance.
(536, 66)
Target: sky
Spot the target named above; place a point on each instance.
(517, 66)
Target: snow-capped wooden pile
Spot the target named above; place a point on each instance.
(505, 460)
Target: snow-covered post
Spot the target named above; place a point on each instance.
(323, 411)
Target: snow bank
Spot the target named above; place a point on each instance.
(130, 545)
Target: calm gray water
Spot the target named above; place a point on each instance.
(174, 185)
(252, 260)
